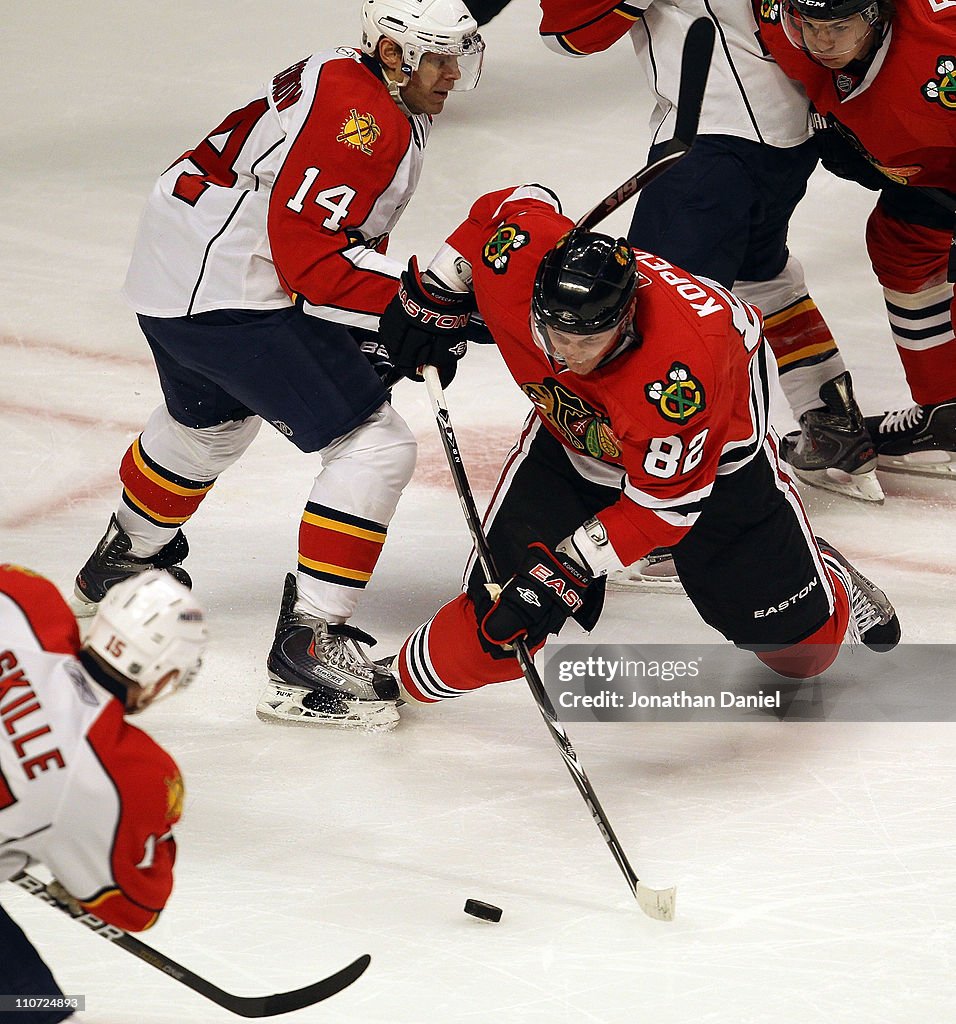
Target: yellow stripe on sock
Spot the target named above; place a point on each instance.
(172, 520)
(804, 353)
(335, 570)
(377, 536)
(161, 481)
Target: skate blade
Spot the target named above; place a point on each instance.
(283, 706)
(859, 486)
(934, 463)
(660, 578)
(80, 607)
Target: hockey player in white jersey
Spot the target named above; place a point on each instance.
(723, 211)
(82, 791)
(259, 275)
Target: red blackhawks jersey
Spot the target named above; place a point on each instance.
(293, 194)
(685, 404)
(82, 791)
(903, 111)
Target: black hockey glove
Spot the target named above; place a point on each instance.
(842, 156)
(425, 325)
(549, 588)
(478, 333)
(376, 354)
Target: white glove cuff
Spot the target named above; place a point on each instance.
(589, 544)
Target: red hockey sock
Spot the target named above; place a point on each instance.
(443, 658)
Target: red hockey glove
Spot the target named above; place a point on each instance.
(538, 600)
(425, 325)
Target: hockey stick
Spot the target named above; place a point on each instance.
(656, 903)
(244, 1006)
(694, 68)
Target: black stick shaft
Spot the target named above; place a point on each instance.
(662, 903)
(243, 1006)
(695, 66)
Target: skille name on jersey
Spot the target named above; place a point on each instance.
(24, 704)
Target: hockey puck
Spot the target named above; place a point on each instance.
(485, 911)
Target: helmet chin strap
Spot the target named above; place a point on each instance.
(395, 87)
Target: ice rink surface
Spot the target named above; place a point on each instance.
(814, 861)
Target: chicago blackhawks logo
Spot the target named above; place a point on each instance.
(359, 131)
(900, 175)
(586, 430)
(498, 248)
(770, 11)
(943, 89)
(679, 397)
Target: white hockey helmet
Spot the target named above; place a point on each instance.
(426, 26)
(151, 631)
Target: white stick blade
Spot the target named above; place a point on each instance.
(657, 903)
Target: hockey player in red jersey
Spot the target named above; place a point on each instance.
(650, 390)
(882, 81)
(81, 790)
(258, 276)
(724, 211)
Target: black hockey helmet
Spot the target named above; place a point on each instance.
(836, 10)
(874, 16)
(584, 285)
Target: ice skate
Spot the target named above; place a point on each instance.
(833, 449)
(873, 620)
(320, 675)
(111, 563)
(921, 439)
(655, 573)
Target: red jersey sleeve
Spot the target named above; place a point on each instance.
(327, 185)
(579, 29)
(143, 851)
(48, 615)
(475, 238)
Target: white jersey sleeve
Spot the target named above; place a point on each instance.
(747, 95)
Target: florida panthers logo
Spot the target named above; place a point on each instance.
(175, 796)
(679, 397)
(943, 89)
(498, 248)
(359, 131)
(586, 430)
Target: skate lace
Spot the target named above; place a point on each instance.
(865, 614)
(904, 419)
(343, 653)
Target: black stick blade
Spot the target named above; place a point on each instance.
(286, 1002)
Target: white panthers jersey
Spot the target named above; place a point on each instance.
(81, 791)
(293, 194)
(747, 95)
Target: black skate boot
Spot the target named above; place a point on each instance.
(873, 620)
(320, 674)
(833, 449)
(111, 563)
(921, 439)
